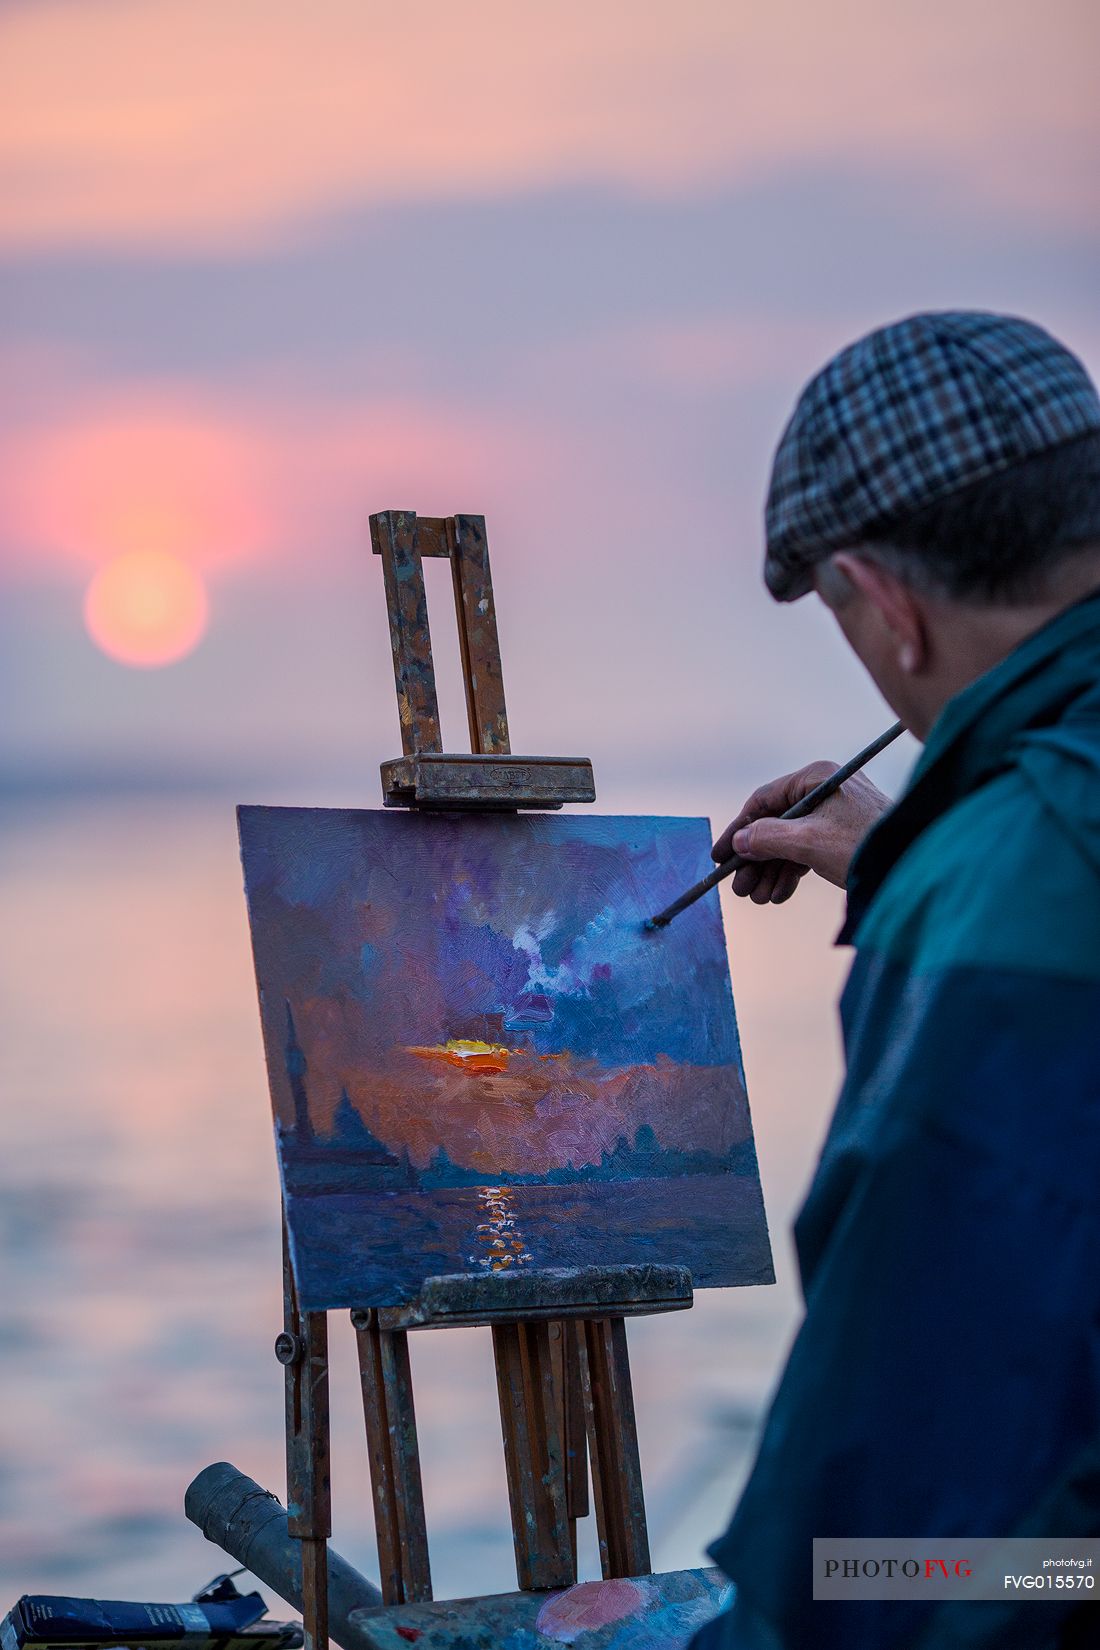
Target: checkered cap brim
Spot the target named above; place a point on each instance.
(908, 415)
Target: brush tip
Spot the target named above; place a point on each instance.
(652, 924)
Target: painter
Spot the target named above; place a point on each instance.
(938, 490)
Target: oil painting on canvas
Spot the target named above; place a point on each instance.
(478, 1058)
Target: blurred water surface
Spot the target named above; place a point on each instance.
(138, 1199)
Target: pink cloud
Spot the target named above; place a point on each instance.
(159, 121)
(221, 482)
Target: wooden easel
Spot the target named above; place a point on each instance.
(559, 1337)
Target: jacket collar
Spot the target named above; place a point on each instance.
(974, 735)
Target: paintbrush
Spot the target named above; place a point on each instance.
(809, 802)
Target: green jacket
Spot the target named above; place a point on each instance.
(946, 1379)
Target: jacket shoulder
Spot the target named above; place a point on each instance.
(995, 882)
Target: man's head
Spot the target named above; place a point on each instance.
(939, 486)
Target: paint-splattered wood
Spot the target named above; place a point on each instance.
(386, 1381)
(659, 1612)
(533, 1456)
(461, 780)
(314, 1593)
(302, 1348)
(463, 540)
(548, 1292)
(569, 1392)
(394, 538)
(402, 539)
(477, 636)
(434, 534)
(613, 1442)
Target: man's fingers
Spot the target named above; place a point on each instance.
(786, 882)
(764, 839)
(769, 876)
(745, 879)
(723, 848)
(771, 881)
(770, 800)
(774, 798)
(824, 840)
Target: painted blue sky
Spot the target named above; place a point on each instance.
(417, 928)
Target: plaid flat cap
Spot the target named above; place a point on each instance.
(909, 414)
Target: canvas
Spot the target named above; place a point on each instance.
(480, 1061)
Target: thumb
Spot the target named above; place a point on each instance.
(773, 839)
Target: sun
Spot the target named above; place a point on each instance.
(146, 608)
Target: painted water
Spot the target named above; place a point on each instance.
(138, 1198)
(459, 1229)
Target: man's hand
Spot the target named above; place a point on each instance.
(824, 841)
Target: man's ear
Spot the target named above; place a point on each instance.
(899, 609)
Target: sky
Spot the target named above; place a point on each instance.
(267, 268)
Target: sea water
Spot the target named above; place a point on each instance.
(140, 1280)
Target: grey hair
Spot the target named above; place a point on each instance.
(1001, 540)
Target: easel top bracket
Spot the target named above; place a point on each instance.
(488, 777)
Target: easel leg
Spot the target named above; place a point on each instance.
(315, 1592)
(533, 1455)
(613, 1438)
(566, 1356)
(386, 1380)
(303, 1350)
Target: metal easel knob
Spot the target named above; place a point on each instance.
(288, 1348)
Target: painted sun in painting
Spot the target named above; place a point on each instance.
(468, 1054)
